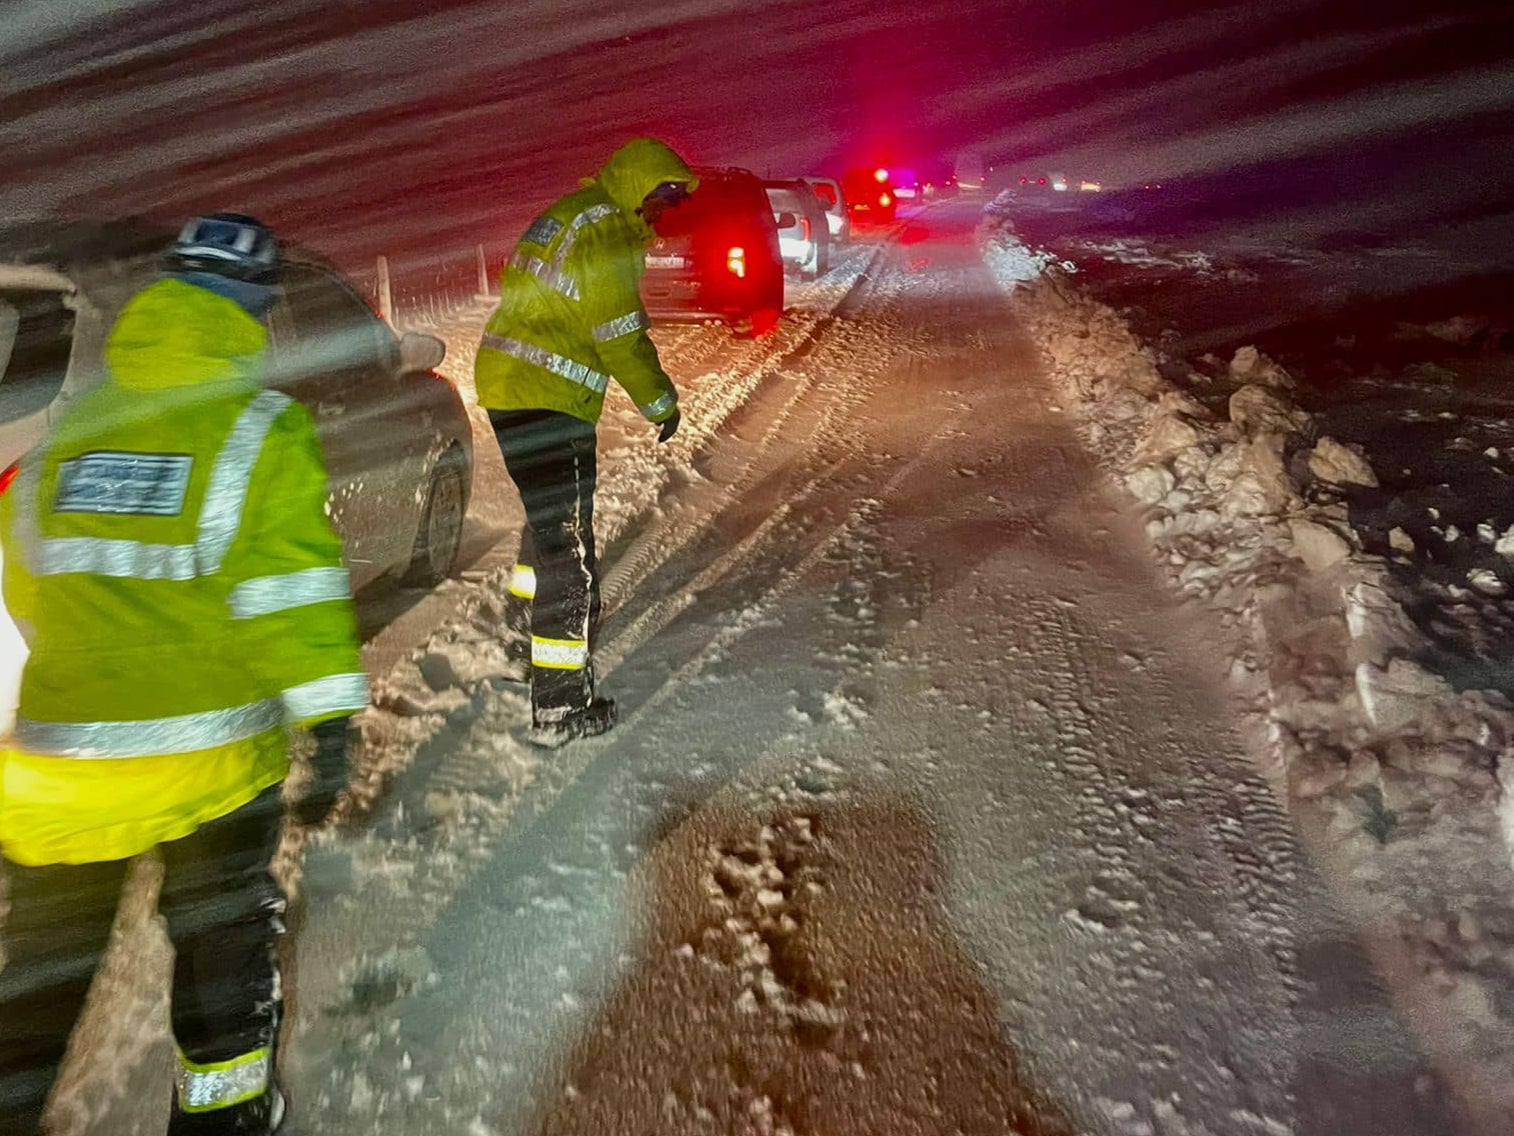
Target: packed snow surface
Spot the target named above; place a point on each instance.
(930, 809)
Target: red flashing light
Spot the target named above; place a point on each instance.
(735, 261)
(885, 200)
(880, 175)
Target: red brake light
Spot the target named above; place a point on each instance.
(1041, 182)
(735, 261)
(8, 475)
(1025, 181)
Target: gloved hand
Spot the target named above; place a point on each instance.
(329, 773)
(669, 427)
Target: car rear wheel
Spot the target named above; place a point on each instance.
(754, 325)
(441, 532)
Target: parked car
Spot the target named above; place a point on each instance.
(870, 196)
(396, 436)
(717, 256)
(804, 234)
(833, 201)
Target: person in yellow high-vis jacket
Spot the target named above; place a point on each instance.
(570, 319)
(181, 590)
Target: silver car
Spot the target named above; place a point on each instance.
(399, 452)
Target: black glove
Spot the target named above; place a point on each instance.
(328, 773)
(669, 427)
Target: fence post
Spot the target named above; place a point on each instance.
(483, 272)
(385, 295)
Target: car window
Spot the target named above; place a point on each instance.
(324, 330)
(717, 201)
(36, 339)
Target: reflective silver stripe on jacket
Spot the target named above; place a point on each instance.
(555, 278)
(207, 1088)
(622, 325)
(123, 559)
(548, 360)
(334, 694)
(590, 216)
(182, 733)
(220, 515)
(658, 407)
(265, 595)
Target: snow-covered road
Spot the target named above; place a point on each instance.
(928, 812)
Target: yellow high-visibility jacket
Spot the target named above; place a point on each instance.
(570, 315)
(169, 561)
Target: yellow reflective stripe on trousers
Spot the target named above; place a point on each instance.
(220, 515)
(621, 325)
(559, 654)
(523, 582)
(334, 694)
(559, 365)
(222, 1084)
(264, 595)
(148, 737)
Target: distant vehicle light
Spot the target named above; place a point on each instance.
(8, 475)
(880, 175)
(885, 200)
(1090, 186)
(1041, 181)
(735, 261)
(1025, 181)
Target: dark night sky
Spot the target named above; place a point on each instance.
(366, 126)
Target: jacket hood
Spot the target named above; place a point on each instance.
(639, 167)
(174, 334)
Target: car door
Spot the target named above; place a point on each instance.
(340, 360)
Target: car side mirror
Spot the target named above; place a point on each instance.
(786, 220)
(420, 353)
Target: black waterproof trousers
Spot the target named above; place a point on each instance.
(551, 458)
(224, 915)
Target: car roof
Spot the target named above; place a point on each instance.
(65, 243)
(68, 254)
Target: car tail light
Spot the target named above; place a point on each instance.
(1025, 181)
(8, 475)
(1041, 181)
(735, 261)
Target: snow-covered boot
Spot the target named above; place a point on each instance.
(551, 728)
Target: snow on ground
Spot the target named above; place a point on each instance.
(1393, 775)
(928, 810)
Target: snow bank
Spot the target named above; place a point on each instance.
(1405, 784)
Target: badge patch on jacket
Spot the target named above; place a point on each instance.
(111, 481)
(542, 230)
